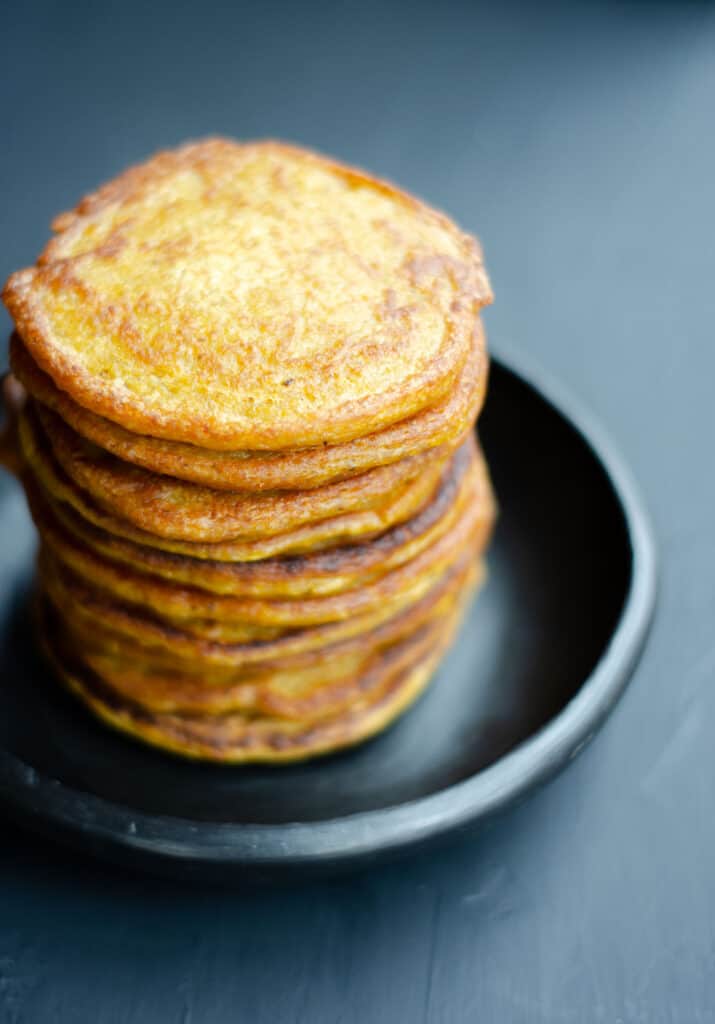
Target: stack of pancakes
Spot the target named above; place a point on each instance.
(252, 379)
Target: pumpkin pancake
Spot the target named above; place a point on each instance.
(184, 636)
(244, 738)
(178, 510)
(316, 574)
(178, 603)
(297, 688)
(303, 694)
(261, 471)
(253, 296)
(86, 611)
(323, 535)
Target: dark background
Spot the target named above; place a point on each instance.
(578, 141)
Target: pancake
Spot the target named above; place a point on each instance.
(177, 603)
(260, 471)
(316, 574)
(241, 738)
(242, 297)
(178, 510)
(297, 688)
(323, 535)
(87, 612)
(301, 695)
(188, 634)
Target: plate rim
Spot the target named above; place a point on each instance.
(111, 827)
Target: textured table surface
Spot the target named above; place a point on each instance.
(578, 142)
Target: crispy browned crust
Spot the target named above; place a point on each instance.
(251, 297)
(302, 687)
(388, 688)
(178, 603)
(178, 510)
(263, 471)
(87, 611)
(316, 574)
(323, 535)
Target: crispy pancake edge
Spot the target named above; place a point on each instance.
(260, 471)
(245, 741)
(180, 603)
(316, 574)
(316, 536)
(177, 510)
(85, 608)
(301, 690)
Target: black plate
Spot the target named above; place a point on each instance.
(541, 660)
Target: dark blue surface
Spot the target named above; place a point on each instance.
(578, 141)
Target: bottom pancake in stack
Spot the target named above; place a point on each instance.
(272, 659)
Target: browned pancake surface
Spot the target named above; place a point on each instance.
(262, 471)
(251, 296)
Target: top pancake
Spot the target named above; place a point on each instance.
(251, 297)
(293, 469)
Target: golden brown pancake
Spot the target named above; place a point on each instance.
(323, 535)
(237, 737)
(256, 296)
(302, 687)
(302, 694)
(178, 603)
(182, 633)
(316, 574)
(179, 510)
(86, 612)
(261, 471)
